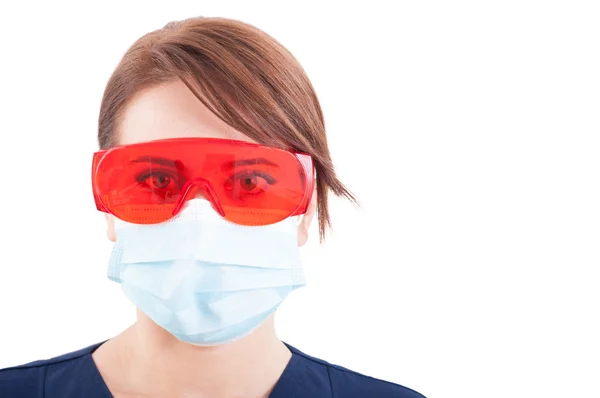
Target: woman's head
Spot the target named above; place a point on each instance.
(219, 78)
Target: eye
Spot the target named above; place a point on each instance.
(249, 182)
(157, 180)
(161, 181)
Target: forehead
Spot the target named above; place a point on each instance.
(171, 110)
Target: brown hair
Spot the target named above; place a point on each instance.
(244, 76)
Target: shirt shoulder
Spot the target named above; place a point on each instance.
(22, 382)
(62, 376)
(350, 384)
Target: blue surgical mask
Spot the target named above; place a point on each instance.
(204, 279)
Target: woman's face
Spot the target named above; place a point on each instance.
(171, 111)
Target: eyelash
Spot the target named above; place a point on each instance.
(235, 177)
(149, 173)
(251, 173)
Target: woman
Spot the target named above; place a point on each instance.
(213, 164)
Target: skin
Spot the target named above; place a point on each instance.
(146, 360)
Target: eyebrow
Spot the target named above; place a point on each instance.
(247, 162)
(152, 159)
(228, 166)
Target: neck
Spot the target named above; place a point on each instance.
(153, 361)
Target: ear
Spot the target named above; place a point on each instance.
(307, 218)
(110, 227)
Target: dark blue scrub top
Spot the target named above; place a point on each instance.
(75, 375)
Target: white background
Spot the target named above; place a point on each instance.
(468, 129)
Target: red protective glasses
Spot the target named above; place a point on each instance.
(249, 184)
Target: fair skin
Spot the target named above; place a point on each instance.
(146, 360)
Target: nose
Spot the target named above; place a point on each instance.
(199, 188)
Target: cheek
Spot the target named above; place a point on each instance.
(302, 231)
(302, 237)
(110, 228)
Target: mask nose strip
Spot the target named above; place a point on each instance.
(199, 188)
